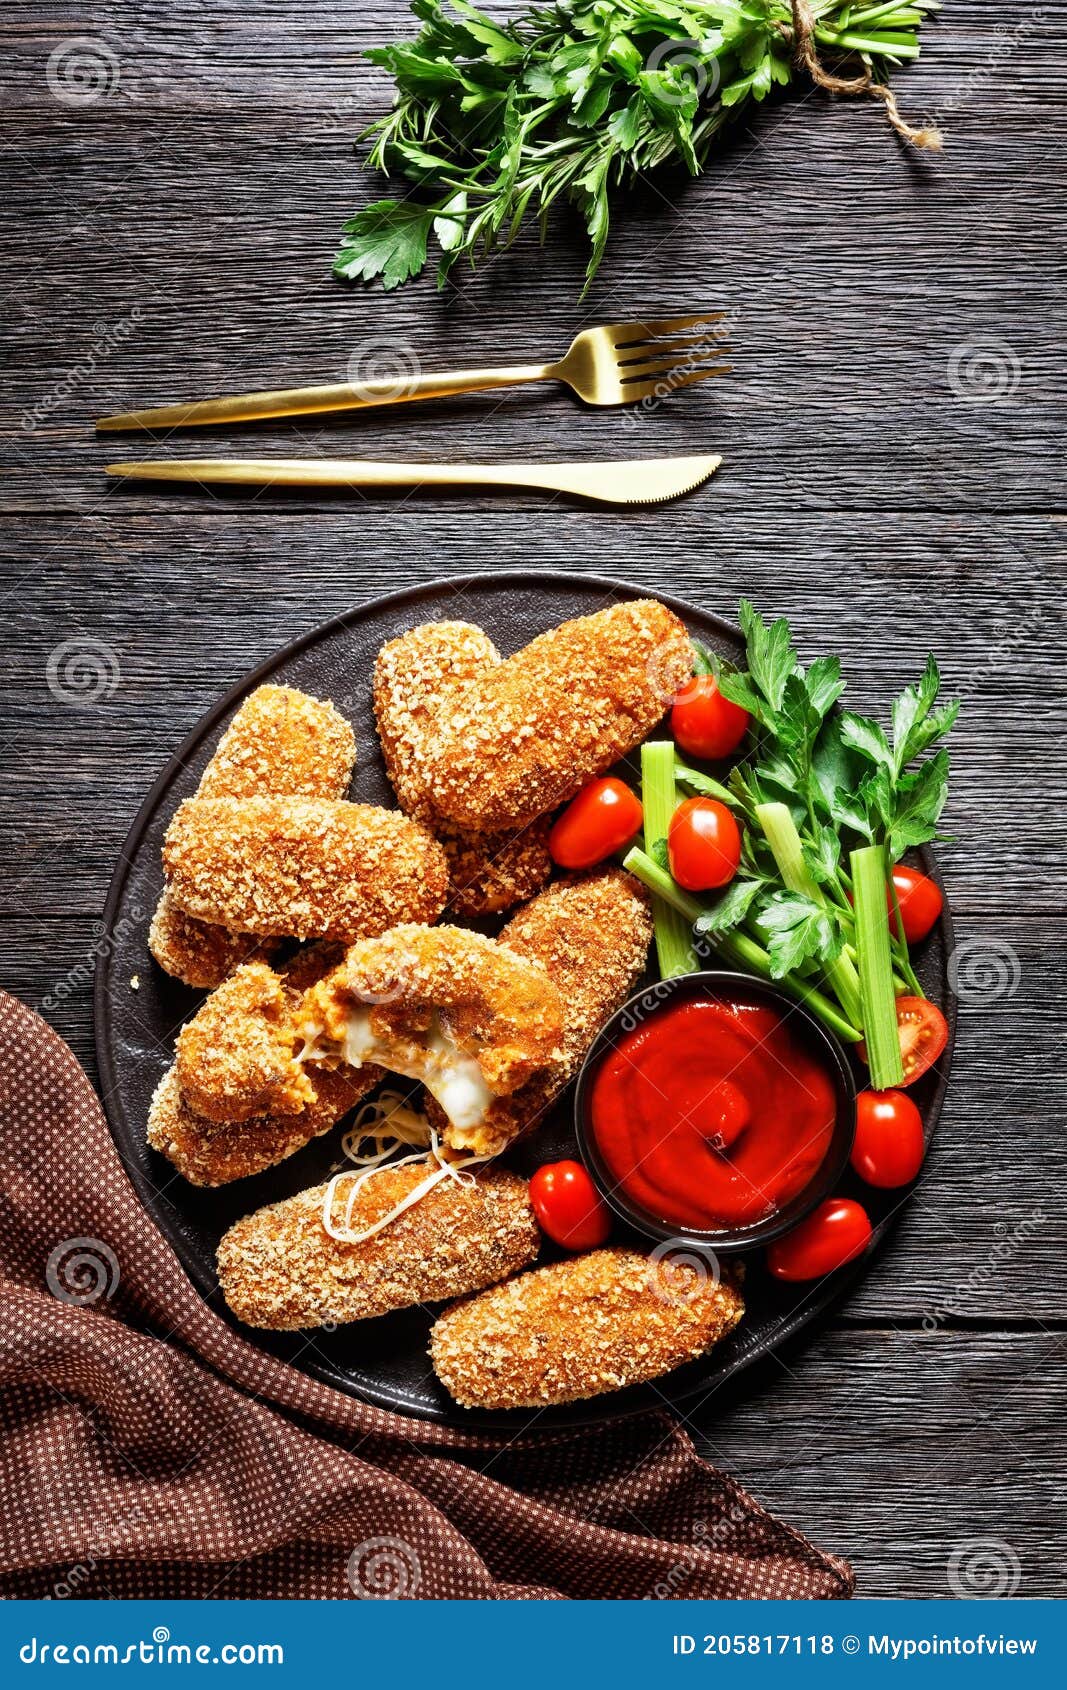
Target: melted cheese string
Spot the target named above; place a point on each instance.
(388, 1122)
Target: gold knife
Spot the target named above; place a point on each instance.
(642, 481)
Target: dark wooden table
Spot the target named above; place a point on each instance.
(891, 481)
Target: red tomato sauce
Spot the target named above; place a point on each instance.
(712, 1115)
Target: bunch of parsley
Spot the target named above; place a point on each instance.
(494, 123)
(844, 781)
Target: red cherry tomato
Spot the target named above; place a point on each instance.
(569, 1207)
(703, 844)
(887, 1150)
(923, 1033)
(920, 903)
(704, 723)
(603, 818)
(835, 1233)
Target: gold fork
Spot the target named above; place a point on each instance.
(615, 364)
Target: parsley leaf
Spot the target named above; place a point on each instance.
(389, 240)
(798, 931)
(567, 102)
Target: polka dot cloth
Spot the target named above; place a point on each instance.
(148, 1450)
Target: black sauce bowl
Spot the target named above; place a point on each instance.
(724, 987)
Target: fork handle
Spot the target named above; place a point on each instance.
(344, 396)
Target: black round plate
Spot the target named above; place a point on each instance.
(386, 1360)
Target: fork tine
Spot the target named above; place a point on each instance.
(629, 333)
(665, 348)
(635, 391)
(665, 366)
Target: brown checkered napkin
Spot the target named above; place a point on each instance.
(150, 1451)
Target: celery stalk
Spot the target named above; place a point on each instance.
(875, 967)
(659, 800)
(784, 840)
(737, 949)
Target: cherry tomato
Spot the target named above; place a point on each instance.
(569, 1207)
(887, 1150)
(835, 1233)
(703, 844)
(920, 903)
(923, 1034)
(704, 723)
(603, 818)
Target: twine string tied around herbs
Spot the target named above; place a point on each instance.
(803, 33)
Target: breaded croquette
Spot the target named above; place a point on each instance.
(415, 677)
(464, 1014)
(237, 1099)
(280, 1268)
(492, 872)
(280, 741)
(591, 935)
(412, 681)
(216, 1152)
(302, 867)
(200, 953)
(283, 742)
(236, 1057)
(506, 742)
(577, 1328)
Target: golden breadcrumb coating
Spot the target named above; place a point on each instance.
(216, 1152)
(236, 1057)
(223, 1055)
(591, 934)
(280, 1268)
(578, 1328)
(302, 867)
(280, 741)
(414, 679)
(513, 740)
(200, 953)
(490, 1004)
(491, 872)
(284, 742)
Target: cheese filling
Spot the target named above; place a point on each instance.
(448, 1073)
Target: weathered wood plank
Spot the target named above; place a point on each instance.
(898, 1449)
(175, 608)
(174, 239)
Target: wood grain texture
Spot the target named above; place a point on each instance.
(172, 239)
